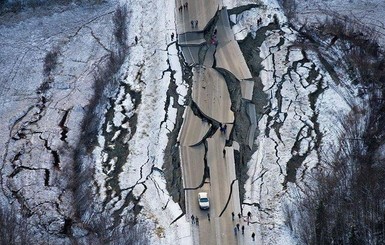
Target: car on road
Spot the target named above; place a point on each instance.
(203, 200)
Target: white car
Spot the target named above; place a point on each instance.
(203, 200)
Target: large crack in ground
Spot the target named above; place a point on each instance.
(117, 138)
(238, 106)
(172, 163)
(23, 130)
(276, 116)
(314, 142)
(62, 125)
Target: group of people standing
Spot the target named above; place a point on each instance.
(194, 24)
(194, 220)
(237, 228)
(183, 7)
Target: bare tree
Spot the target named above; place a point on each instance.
(13, 227)
(345, 203)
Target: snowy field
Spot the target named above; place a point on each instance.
(291, 81)
(40, 108)
(35, 153)
(33, 122)
(368, 12)
(148, 73)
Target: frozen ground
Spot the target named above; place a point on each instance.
(147, 73)
(368, 12)
(41, 124)
(39, 129)
(40, 111)
(302, 115)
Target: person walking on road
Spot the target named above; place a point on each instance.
(238, 227)
(239, 216)
(172, 36)
(197, 220)
(192, 219)
(196, 23)
(232, 216)
(235, 230)
(192, 24)
(253, 236)
(243, 229)
(136, 39)
(208, 216)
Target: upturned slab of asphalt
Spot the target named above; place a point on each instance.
(191, 39)
(228, 55)
(197, 129)
(190, 55)
(207, 164)
(247, 87)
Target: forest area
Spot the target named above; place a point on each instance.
(344, 204)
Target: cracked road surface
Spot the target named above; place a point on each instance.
(229, 55)
(207, 163)
(211, 94)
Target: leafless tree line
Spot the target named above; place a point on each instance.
(104, 80)
(13, 227)
(345, 201)
(16, 6)
(99, 225)
(88, 225)
(127, 233)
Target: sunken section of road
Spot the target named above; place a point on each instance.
(221, 87)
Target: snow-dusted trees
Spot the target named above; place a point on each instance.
(345, 203)
(120, 25)
(102, 227)
(101, 232)
(18, 5)
(289, 7)
(13, 227)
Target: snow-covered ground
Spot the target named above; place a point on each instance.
(148, 73)
(302, 120)
(37, 107)
(369, 12)
(31, 133)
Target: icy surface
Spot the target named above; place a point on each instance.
(369, 13)
(299, 91)
(40, 109)
(32, 131)
(146, 73)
